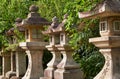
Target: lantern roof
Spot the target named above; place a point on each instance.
(34, 18)
(56, 27)
(103, 9)
(61, 26)
(18, 23)
(10, 32)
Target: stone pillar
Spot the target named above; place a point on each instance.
(67, 68)
(34, 51)
(52, 65)
(6, 65)
(20, 62)
(110, 48)
(13, 61)
(12, 72)
(0, 65)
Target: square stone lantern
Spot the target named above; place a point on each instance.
(33, 25)
(108, 12)
(54, 39)
(34, 44)
(67, 68)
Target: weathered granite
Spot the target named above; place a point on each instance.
(109, 43)
(110, 48)
(20, 62)
(34, 51)
(34, 44)
(52, 65)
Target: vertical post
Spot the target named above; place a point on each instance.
(0, 65)
(6, 63)
(13, 61)
(20, 62)
(12, 71)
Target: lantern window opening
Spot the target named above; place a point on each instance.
(36, 33)
(51, 39)
(27, 34)
(103, 26)
(57, 39)
(116, 25)
(61, 37)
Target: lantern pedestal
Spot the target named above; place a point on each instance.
(52, 65)
(110, 48)
(12, 72)
(67, 68)
(6, 64)
(34, 51)
(20, 62)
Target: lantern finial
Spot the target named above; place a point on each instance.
(33, 8)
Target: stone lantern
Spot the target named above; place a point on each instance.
(109, 43)
(34, 44)
(109, 15)
(12, 40)
(54, 39)
(67, 68)
(33, 25)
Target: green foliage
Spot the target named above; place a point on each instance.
(9, 11)
(51, 8)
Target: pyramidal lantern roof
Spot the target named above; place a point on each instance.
(103, 9)
(18, 25)
(34, 18)
(61, 26)
(56, 27)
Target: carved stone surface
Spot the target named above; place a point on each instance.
(52, 65)
(108, 12)
(34, 70)
(34, 50)
(12, 72)
(34, 18)
(54, 39)
(0, 65)
(9, 74)
(34, 44)
(20, 62)
(6, 64)
(67, 68)
(103, 9)
(110, 48)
